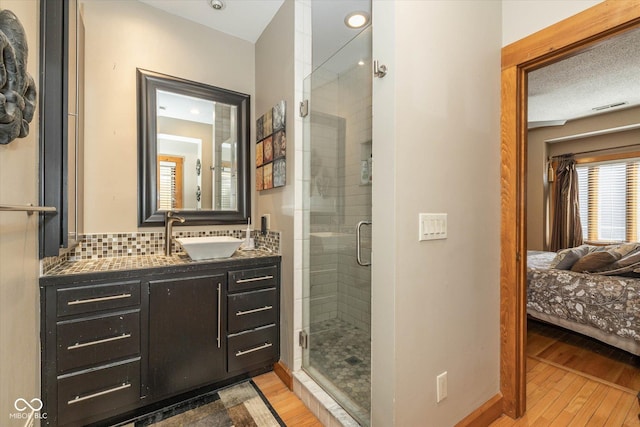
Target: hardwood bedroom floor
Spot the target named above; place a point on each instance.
(583, 354)
(576, 381)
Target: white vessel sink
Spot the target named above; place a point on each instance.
(210, 247)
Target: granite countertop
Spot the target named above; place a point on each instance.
(141, 262)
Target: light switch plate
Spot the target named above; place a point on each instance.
(432, 226)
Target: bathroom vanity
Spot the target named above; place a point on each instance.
(124, 338)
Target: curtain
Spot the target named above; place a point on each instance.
(566, 231)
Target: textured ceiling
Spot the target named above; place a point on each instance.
(608, 73)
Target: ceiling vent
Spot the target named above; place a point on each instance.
(606, 107)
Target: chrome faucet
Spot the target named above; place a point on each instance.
(169, 219)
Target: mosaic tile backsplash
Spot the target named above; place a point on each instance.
(113, 245)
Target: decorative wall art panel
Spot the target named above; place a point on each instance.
(259, 158)
(279, 173)
(271, 148)
(268, 176)
(267, 149)
(278, 116)
(279, 144)
(259, 179)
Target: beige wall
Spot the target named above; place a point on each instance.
(523, 17)
(203, 132)
(120, 36)
(539, 151)
(19, 304)
(436, 149)
(275, 82)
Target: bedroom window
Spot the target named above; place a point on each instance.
(608, 197)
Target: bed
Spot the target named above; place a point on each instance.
(604, 305)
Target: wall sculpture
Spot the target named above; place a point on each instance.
(17, 88)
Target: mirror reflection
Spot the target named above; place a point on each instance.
(196, 157)
(193, 148)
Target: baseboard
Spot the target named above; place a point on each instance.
(490, 411)
(284, 374)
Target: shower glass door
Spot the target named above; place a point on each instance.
(338, 182)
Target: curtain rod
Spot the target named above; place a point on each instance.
(599, 150)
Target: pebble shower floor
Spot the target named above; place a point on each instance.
(342, 353)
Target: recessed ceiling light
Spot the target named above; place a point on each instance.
(356, 19)
(216, 4)
(194, 111)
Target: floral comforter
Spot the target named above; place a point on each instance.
(608, 303)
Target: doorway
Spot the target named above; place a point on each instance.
(568, 37)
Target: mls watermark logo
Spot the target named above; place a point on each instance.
(27, 409)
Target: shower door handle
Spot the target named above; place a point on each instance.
(358, 246)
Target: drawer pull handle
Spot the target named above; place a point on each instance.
(79, 399)
(261, 347)
(102, 341)
(254, 279)
(219, 313)
(255, 310)
(101, 299)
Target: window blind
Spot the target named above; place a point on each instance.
(225, 189)
(608, 197)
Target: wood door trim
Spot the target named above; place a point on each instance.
(551, 44)
(179, 161)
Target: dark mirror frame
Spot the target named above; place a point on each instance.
(148, 214)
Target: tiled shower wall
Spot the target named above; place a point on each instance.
(327, 142)
(341, 140)
(354, 281)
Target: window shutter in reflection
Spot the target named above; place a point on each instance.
(167, 186)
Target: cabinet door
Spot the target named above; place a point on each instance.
(186, 345)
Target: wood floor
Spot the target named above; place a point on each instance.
(575, 381)
(583, 354)
(290, 408)
(571, 381)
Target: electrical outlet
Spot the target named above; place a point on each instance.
(441, 387)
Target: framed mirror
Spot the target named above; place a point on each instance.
(193, 151)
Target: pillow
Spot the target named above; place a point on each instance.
(626, 250)
(628, 260)
(593, 262)
(565, 258)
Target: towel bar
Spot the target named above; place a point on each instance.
(29, 209)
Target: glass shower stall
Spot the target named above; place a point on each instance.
(338, 178)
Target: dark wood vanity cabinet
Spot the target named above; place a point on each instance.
(186, 345)
(117, 345)
(91, 350)
(252, 322)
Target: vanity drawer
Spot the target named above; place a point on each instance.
(88, 299)
(252, 348)
(248, 310)
(91, 394)
(87, 342)
(254, 278)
